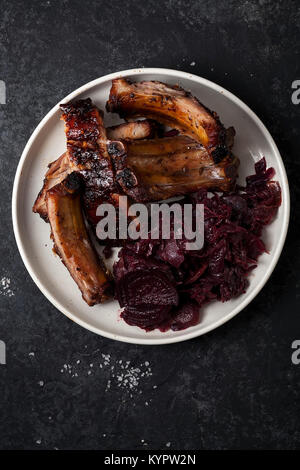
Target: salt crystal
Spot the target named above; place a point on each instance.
(5, 287)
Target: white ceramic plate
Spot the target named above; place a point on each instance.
(47, 142)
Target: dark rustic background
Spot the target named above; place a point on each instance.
(233, 388)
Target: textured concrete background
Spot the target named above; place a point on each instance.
(233, 388)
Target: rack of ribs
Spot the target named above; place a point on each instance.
(170, 105)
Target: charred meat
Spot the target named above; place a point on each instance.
(87, 151)
(135, 130)
(170, 105)
(72, 242)
(173, 166)
(58, 170)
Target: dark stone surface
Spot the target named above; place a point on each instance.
(233, 388)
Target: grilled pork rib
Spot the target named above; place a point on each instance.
(132, 130)
(170, 105)
(58, 170)
(95, 157)
(71, 240)
(154, 169)
(87, 151)
(174, 166)
(87, 154)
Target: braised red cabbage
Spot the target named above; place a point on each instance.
(162, 285)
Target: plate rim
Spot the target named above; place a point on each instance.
(186, 334)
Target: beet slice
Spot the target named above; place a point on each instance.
(148, 317)
(185, 316)
(148, 296)
(146, 287)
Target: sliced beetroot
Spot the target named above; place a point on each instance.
(185, 316)
(146, 287)
(148, 317)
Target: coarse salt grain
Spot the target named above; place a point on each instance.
(5, 288)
